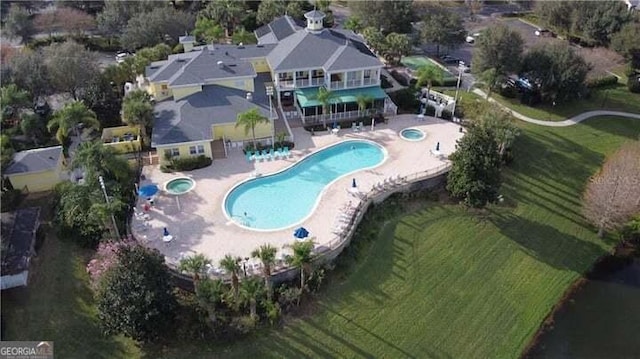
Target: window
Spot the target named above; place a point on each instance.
(173, 152)
(196, 150)
(164, 87)
(367, 74)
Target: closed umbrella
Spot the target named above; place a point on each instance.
(353, 183)
(148, 190)
(301, 233)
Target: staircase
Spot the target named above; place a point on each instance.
(217, 149)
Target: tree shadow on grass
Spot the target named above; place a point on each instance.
(560, 250)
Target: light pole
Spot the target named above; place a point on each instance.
(455, 99)
(106, 198)
(273, 125)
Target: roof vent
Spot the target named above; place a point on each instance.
(220, 64)
(249, 96)
(261, 46)
(181, 60)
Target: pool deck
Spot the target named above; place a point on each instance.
(196, 219)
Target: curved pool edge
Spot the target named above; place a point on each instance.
(385, 156)
(424, 134)
(164, 185)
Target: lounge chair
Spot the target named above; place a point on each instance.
(361, 126)
(354, 127)
(249, 156)
(279, 153)
(286, 152)
(257, 156)
(265, 155)
(272, 154)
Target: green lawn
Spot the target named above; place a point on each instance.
(617, 98)
(441, 282)
(437, 282)
(58, 305)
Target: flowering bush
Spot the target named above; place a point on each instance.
(105, 257)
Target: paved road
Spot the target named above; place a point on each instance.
(568, 122)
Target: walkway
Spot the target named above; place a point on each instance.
(568, 122)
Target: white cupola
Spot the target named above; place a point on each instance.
(314, 20)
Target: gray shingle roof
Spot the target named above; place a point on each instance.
(183, 39)
(198, 66)
(315, 15)
(307, 50)
(190, 118)
(276, 30)
(18, 233)
(35, 160)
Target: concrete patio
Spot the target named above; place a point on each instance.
(198, 224)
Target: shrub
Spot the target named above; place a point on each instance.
(406, 100)
(10, 200)
(401, 78)
(186, 164)
(602, 81)
(508, 91)
(384, 83)
(633, 84)
(446, 115)
(98, 43)
(178, 49)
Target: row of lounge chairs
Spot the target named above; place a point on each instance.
(357, 128)
(267, 155)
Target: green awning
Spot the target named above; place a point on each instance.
(307, 96)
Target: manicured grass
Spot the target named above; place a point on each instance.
(445, 282)
(617, 98)
(438, 281)
(58, 305)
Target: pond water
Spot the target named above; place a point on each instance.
(601, 320)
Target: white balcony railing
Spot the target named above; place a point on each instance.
(370, 81)
(337, 85)
(319, 81)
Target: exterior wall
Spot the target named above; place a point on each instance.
(184, 150)
(156, 90)
(230, 132)
(245, 84)
(123, 145)
(37, 181)
(180, 92)
(260, 64)
(15, 280)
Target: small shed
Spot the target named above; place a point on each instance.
(36, 170)
(18, 238)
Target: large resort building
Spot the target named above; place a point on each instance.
(200, 92)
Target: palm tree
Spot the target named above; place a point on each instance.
(427, 75)
(242, 36)
(325, 97)
(196, 265)
(69, 117)
(138, 111)
(97, 160)
(225, 12)
(301, 258)
(249, 120)
(267, 255)
(208, 30)
(12, 99)
(209, 293)
(252, 289)
(231, 265)
(363, 101)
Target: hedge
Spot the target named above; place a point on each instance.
(186, 164)
(633, 83)
(602, 81)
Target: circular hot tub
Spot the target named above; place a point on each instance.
(413, 134)
(179, 185)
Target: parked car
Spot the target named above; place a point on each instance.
(121, 56)
(450, 60)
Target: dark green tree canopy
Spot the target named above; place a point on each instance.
(387, 16)
(498, 48)
(18, 23)
(70, 67)
(27, 69)
(135, 296)
(443, 28)
(159, 25)
(557, 70)
(475, 172)
(270, 9)
(627, 42)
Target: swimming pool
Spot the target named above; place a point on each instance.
(288, 197)
(179, 186)
(412, 134)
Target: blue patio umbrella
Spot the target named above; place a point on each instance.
(301, 233)
(165, 232)
(438, 146)
(353, 183)
(148, 190)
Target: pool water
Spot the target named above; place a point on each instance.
(286, 198)
(180, 185)
(412, 134)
